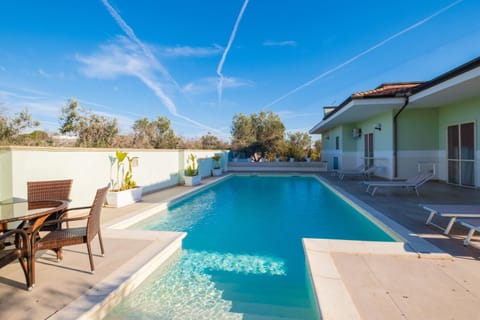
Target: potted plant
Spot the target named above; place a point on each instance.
(217, 170)
(124, 189)
(192, 178)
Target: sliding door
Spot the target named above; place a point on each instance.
(461, 154)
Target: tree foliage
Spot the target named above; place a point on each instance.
(154, 134)
(12, 128)
(263, 132)
(209, 141)
(299, 145)
(317, 150)
(243, 132)
(91, 129)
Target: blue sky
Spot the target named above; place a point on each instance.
(200, 62)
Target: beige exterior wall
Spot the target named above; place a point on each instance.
(91, 169)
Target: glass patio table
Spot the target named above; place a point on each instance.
(19, 213)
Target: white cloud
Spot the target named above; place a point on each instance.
(140, 68)
(287, 43)
(118, 58)
(133, 37)
(48, 75)
(124, 58)
(209, 84)
(187, 51)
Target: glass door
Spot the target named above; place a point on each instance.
(368, 150)
(461, 154)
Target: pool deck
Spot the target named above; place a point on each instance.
(431, 276)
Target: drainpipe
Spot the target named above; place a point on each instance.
(395, 137)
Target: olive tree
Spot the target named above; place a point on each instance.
(154, 134)
(299, 145)
(91, 129)
(263, 132)
(12, 128)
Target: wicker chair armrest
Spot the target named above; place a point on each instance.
(73, 209)
(56, 221)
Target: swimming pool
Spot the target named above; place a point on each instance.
(243, 255)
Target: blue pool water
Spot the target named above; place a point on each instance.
(243, 256)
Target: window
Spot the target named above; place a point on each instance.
(337, 143)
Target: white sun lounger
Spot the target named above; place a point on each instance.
(411, 183)
(360, 171)
(473, 224)
(452, 211)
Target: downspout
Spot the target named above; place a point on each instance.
(395, 136)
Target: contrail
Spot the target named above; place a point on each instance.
(146, 80)
(381, 43)
(225, 52)
(131, 34)
(169, 103)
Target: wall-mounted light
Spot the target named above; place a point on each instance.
(377, 126)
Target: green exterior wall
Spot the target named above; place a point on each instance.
(418, 129)
(328, 138)
(382, 140)
(349, 144)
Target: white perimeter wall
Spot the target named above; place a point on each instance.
(91, 169)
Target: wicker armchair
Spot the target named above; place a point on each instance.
(20, 250)
(48, 190)
(59, 238)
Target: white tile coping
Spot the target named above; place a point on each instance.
(99, 300)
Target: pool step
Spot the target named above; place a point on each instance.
(260, 317)
(263, 296)
(258, 289)
(268, 311)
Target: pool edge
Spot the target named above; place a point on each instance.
(100, 299)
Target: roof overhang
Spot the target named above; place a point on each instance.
(358, 110)
(463, 86)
